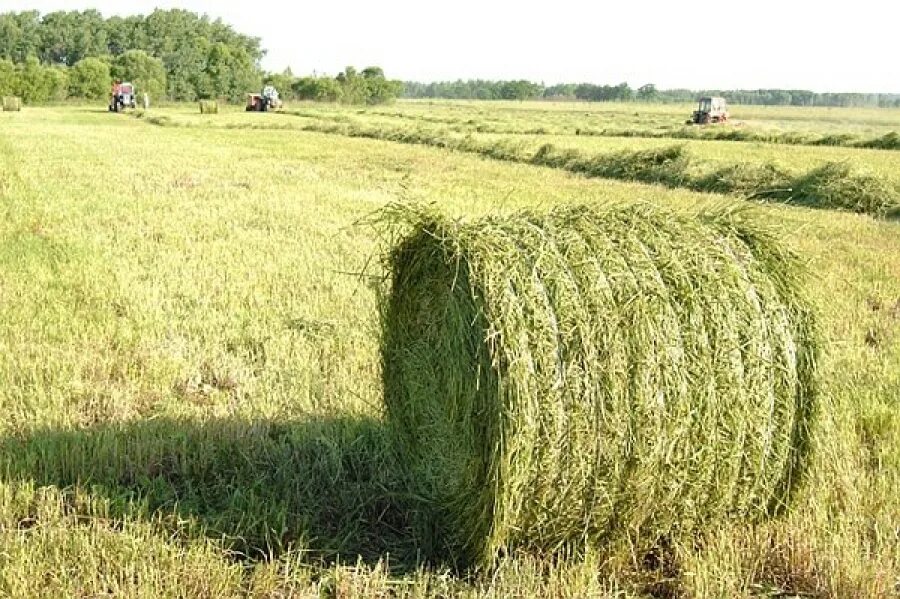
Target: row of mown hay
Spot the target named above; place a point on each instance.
(209, 107)
(12, 104)
(833, 185)
(887, 141)
(561, 380)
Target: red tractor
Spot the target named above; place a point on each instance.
(264, 102)
(121, 97)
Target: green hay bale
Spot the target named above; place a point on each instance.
(837, 185)
(12, 104)
(561, 380)
(209, 107)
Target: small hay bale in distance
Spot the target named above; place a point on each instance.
(561, 380)
(12, 104)
(209, 107)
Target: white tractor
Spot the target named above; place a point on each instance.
(710, 110)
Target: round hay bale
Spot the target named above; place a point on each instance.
(209, 107)
(12, 104)
(559, 379)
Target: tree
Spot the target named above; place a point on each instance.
(200, 56)
(33, 83)
(90, 78)
(9, 78)
(67, 37)
(519, 90)
(622, 92)
(218, 71)
(146, 73)
(379, 90)
(373, 73)
(57, 79)
(647, 92)
(563, 90)
(283, 82)
(20, 35)
(245, 74)
(353, 87)
(318, 89)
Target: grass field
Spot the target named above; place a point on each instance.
(190, 382)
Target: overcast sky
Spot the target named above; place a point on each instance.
(820, 45)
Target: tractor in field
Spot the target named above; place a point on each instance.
(122, 97)
(710, 110)
(265, 101)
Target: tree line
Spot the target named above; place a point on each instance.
(181, 55)
(174, 54)
(478, 89)
(369, 86)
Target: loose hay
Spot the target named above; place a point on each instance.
(747, 179)
(838, 185)
(12, 104)
(559, 380)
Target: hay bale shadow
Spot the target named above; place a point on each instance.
(328, 486)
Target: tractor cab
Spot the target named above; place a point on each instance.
(122, 97)
(710, 110)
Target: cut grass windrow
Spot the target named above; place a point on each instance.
(833, 185)
(887, 141)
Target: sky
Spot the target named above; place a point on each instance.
(702, 44)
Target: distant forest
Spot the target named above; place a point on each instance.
(174, 54)
(475, 89)
(180, 55)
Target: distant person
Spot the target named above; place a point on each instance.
(146, 101)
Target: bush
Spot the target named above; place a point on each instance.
(145, 72)
(90, 78)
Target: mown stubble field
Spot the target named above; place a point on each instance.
(190, 381)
